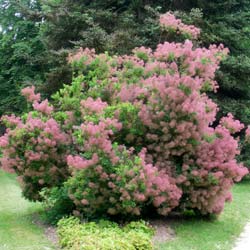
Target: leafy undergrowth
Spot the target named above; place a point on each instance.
(220, 234)
(104, 235)
(16, 228)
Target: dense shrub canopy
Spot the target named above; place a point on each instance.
(134, 132)
(35, 37)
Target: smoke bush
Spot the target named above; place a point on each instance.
(35, 148)
(131, 132)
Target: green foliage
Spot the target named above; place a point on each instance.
(68, 97)
(104, 235)
(56, 203)
(116, 26)
(108, 200)
(128, 114)
(21, 53)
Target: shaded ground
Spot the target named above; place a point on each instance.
(163, 231)
(49, 231)
(17, 230)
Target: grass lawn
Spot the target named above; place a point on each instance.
(200, 234)
(17, 232)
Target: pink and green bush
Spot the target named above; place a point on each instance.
(174, 25)
(35, 147)
(132, 132)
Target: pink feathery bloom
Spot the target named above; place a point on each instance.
(169, 21)
(93, 106)
(87, 54)
(11, 119)
(247, 134)
(29, 94)
(43, 107)
(146, 51)
(81, 163)
(234, 126)
(4, 141)
(84, 202)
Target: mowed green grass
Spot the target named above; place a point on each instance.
(17, 232)
(220, 234)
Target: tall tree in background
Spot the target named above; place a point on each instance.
(113, 26)
(21, 53)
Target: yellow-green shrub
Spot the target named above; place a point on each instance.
(105, 235)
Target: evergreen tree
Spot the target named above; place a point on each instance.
(21, 53)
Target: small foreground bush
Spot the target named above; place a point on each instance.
(105, 235)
